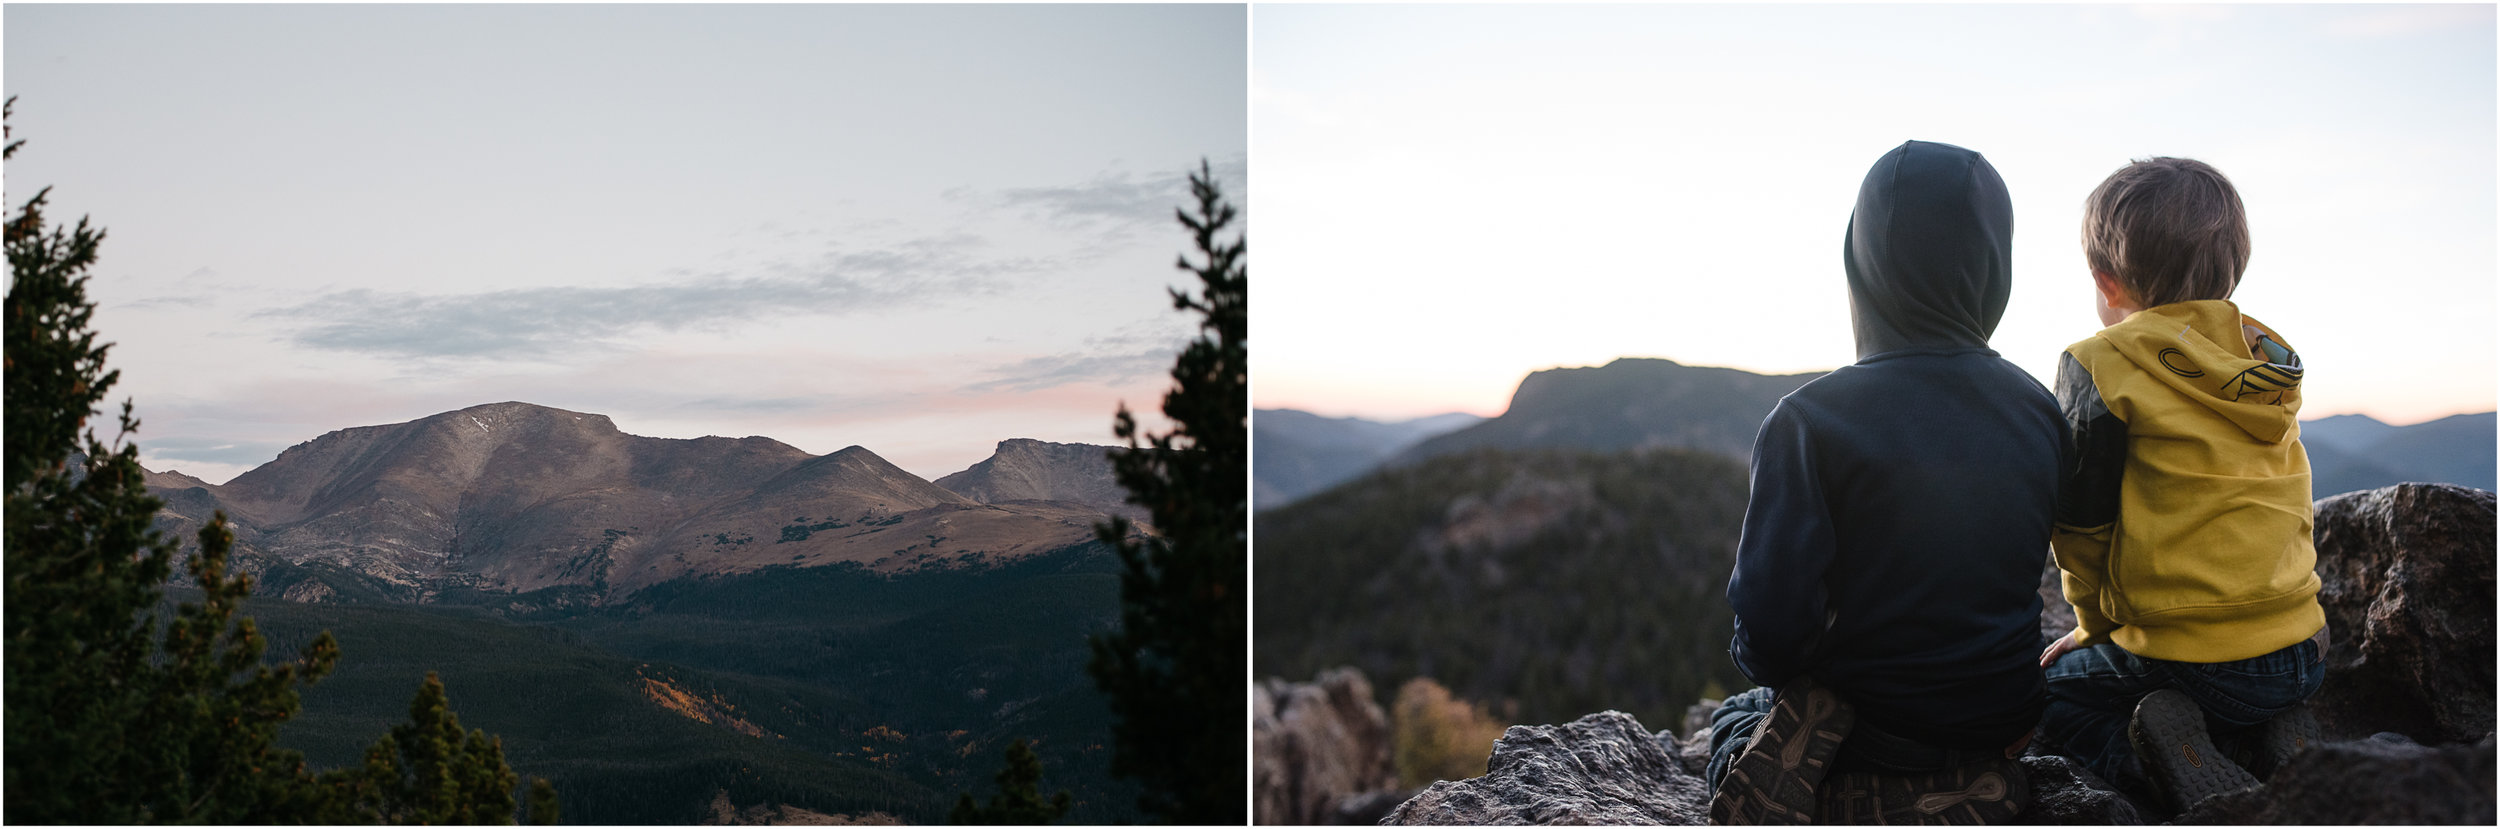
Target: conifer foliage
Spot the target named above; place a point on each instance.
(103, 725)
(117, 711)
(1174, 669)
(1019, 799)
(427, 772)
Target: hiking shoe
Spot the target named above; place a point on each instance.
(2168, 733)
(1985, 793)
(2278, 740)
(1775, 780)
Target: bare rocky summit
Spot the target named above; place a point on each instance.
(1024, 469)
(516, 497)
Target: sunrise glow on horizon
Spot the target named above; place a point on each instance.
(1455, 197)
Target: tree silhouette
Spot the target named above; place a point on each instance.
(109, 718)
(1174, 668)
(1019, 800)
(426, 772)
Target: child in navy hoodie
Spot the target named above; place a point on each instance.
(1886, 584)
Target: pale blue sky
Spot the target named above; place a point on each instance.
(921, 229)
(1455, 196)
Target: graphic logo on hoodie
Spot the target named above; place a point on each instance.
(2184, 367)
(2264, 378)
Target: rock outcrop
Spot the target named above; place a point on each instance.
(2407, 573)
(2366, 781)
(2064, 793)
(2408, 589)
(1316, 745)
(1023, 469)
(1600, 769)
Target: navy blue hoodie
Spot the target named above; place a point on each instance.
(1900, 513)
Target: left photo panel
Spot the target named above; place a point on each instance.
(626, 414)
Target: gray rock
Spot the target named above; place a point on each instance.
(2407, 587)
(2366, 781)
(1697, 717)
(1602, 769)
(2064, 793)
(1315, 744)
(1368, 808)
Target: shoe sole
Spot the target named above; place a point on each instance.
(2168, 733)
(1775, 780)
(2285, 737)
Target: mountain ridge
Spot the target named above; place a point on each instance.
(517, 497)
(1643, 403)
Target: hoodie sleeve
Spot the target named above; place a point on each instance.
(1777, 588)
(2090, 462)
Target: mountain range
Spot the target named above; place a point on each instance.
(516, 498)
(2356, 452)
(1640, 403)
(1300, 453)
(662, 626)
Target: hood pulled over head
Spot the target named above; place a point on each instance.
(1929, 250)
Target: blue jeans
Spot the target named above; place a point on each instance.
(2093, 692)
(1731, 728)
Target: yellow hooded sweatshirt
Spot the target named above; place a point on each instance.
(2183, 520)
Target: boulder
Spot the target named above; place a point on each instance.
(2064, 793)
(1315, 744)
(2406, 576)
(2366, 781)
(1600, 769)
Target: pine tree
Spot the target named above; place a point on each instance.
(426, 772)
(542, 803)
(1019, 799)
(117, 711)
(1174, 669)
(104, 726)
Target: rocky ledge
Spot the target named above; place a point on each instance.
(2407, 706)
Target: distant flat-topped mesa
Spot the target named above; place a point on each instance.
(517, 497)
(1024, 469)
(1631, 403)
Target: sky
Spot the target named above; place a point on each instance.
(918, 229)
(1452, 197)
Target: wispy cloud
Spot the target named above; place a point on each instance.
(538, 321)
(1123, 197)
(195, 451)
(1108, 360)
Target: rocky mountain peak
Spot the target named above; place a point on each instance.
(1025, 469)
(1631, 403)
(515, 496)
(512, 415)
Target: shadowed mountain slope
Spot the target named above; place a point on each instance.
(1300, 453)
(2348, 453)
(516, 497)
(1631, 403)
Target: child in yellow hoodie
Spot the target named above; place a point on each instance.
(2183, 515)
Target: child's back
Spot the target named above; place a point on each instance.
(1892, 543)
(2183, 521)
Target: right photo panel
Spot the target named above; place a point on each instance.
(1874, 414)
